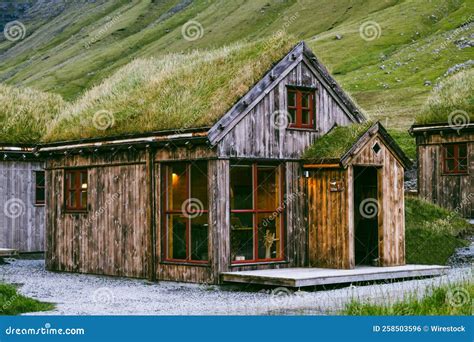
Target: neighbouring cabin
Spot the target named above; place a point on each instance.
(22, 199)
(190, 204)
(445, 156)
(355, 199)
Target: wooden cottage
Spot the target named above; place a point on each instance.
(189, 204)
(445, 155)
(22, 199)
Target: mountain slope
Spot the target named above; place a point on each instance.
(71, 46)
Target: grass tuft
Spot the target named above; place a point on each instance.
(25, 113)
(452, 96)
(432, 233)
(13, 303)
(452, 299)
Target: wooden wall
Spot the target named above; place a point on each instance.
(24, 232)
(257, 136)
(331, 213)
(111, 238)
(450, 191)
(328, 218)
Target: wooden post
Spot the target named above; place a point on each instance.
(150, 214)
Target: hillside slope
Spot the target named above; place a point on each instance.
(71, 46)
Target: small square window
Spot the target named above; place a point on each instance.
(455, 158)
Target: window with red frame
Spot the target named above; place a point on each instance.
(39, 188)
(455, 158)
(185, 212)
(76, 190)
(301, 108)
(257, 213)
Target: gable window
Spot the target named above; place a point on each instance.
(185, 208)
(39, 188)
(76, 190)
(257, 212)
(455, 158)
(301, 106)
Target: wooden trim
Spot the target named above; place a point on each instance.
(150, 217)
(322, 166)
(94, 166)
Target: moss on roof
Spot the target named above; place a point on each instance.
(172, 92)
(336, 143)
(452, 101)
(25, 113)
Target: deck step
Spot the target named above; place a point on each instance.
(300, 277)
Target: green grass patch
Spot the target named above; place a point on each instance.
(453, 299)
(405, 141)
(452, 102)
(431, 232)
(13, 303)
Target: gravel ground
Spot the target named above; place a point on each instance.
(79, 294)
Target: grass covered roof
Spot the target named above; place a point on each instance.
(451, 100)
(25, 114)
(336, 143)
(177, 91)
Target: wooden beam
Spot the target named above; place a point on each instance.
(150, 215)
(322, 166)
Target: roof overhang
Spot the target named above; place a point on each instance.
(440, 127)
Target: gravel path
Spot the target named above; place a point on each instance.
(78, 294)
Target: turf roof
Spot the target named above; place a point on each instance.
(332, 146)
(178, 91)
(26, 113)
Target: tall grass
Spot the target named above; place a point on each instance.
(432, 233)
(172, 92)
(25, 113)
(451, 299)
(12, 303)
(456, 93)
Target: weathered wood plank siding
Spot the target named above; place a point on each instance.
(112, 237)
(21, 221)
(328, 219)
(454, 192)
(261, 134)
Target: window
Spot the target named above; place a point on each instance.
(39, 188)
(301, 108)
(256, 213)
(185, 212)
(455, 158)
(76, 190)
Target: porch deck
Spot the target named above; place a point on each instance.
(7, 252)
(300, 277)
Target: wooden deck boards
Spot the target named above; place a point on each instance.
(300, 277)
(6, 252)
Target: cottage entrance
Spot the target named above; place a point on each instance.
(366, 215)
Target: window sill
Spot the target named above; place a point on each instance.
(257, 263)
(302, 129)
(185, 263)
(75, 212)
(39, 205)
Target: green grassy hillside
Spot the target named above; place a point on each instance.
(70, 47)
